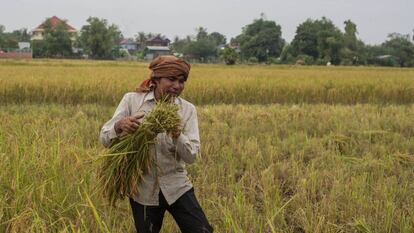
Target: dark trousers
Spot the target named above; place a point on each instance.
(186, 211)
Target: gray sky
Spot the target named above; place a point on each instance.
(374, 18)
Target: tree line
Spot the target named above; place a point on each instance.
(316, 42)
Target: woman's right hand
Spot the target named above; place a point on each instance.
(128, 124)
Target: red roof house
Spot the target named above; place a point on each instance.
(38, 32)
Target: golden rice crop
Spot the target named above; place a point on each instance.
(275, 168)
(299, 166)
(78, 82)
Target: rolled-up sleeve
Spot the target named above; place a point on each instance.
(188, 143)
(108, 133)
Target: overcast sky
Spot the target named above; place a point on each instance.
(374, 18)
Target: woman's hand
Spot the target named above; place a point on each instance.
(176, 132)
(128, 124)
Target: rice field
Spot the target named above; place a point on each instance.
(86, 82)
(284, 148)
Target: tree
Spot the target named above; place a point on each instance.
(320, 39)
(261, 39)
(306, 39)
(202, 49)
(39, 48)
(141, 38)
(201, 33)
(2, 29)
(21, 34)
(99, 39)
(286, 54)
(353, 51)
(180, 45)
(202, 46)
(218, 38)
(401, 47)
(350, 39)
(229, 55)
(57, 40)
(7, 41)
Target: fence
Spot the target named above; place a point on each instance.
(25, 53)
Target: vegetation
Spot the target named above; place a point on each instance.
(305, 156)
(56, 42)
(262, 39)
(203, 48)
(229, 55)
(319, 39)
(311, 168)
(9, 40)
(100, 40)
(316, 42)
(78, 82)
(402, 49)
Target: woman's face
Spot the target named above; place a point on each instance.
(172, 86)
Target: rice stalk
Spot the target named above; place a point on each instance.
(129, 159)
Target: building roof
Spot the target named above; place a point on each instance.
(158, 48)
(158, 38)
(385, 56)
(127, 41)
(54, 21)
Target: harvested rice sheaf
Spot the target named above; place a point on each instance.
(129, 159)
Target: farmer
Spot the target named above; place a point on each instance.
(166, 186)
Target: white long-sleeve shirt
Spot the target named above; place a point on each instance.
(171, 155)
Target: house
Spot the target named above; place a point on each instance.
(221, 46)
(157, 46)
(129, 44)
(158, 41)
(155, 51)
(23, 45)
(38, 32)
(387, 56)
(234, 45)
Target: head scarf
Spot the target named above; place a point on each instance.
(164, 66)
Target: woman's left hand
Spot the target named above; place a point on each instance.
(176, 132)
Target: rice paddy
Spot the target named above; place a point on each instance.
(284, 149)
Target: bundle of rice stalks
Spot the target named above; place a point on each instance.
(129, 158)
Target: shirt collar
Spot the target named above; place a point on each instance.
(151, 97)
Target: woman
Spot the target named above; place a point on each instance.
(166, 186)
